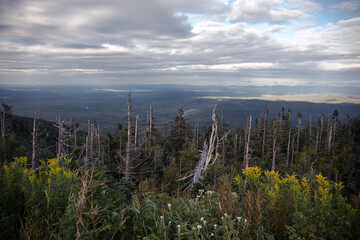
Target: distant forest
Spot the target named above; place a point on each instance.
(271, 179)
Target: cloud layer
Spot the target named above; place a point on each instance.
(241, 42)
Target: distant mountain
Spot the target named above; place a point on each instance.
(108, 104)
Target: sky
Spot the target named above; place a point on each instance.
(194, 42)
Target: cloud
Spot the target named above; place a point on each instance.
(89, 21)
(271, 11)
(315, 98)
(258, 42)
(347, 5)
(222, 67)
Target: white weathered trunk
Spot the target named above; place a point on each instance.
(246, 154)
(128, 145)
(264, 134)
(274, 150)
(35, 138)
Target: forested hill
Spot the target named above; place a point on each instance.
(273, 178)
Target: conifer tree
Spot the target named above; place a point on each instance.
(179, 131)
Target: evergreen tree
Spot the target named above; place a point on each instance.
(180, 131)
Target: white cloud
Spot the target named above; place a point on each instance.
(315, 98)
(272, 11)
(347, 5)
(223, 67)
(335, 66)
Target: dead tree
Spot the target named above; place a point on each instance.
(213, 137)
(150, 121)
(207, 153)
(247, 141)
(136, 131)
(299, 131)
(93, 143)
(224, 146)
(62, 137)
(289, 140)
(274, 148)
(73, 132)
(35, 135)
(334, 129)
(266, 111)
(329, 132)
(129, 137)
(321, 129)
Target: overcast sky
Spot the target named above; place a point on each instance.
(201, 42)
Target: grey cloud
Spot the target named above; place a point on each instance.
(52, 22)
(151, 42)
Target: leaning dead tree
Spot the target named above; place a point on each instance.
(207, 154)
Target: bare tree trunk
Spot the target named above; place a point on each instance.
(266, 110)
(246, 154)
(213, 138)
(62, 135)
(93, 143)
(98, 145)
(150, 120)
(35, 137)
(136, 131)
(298, 135)
(87, 142)
(321, 131)
(240, 142)
(128, 145)
(206, 156)
(288, 148)
(223, 132)
(274, 149)
(330, 135)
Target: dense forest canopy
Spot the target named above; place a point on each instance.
(272, 178)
